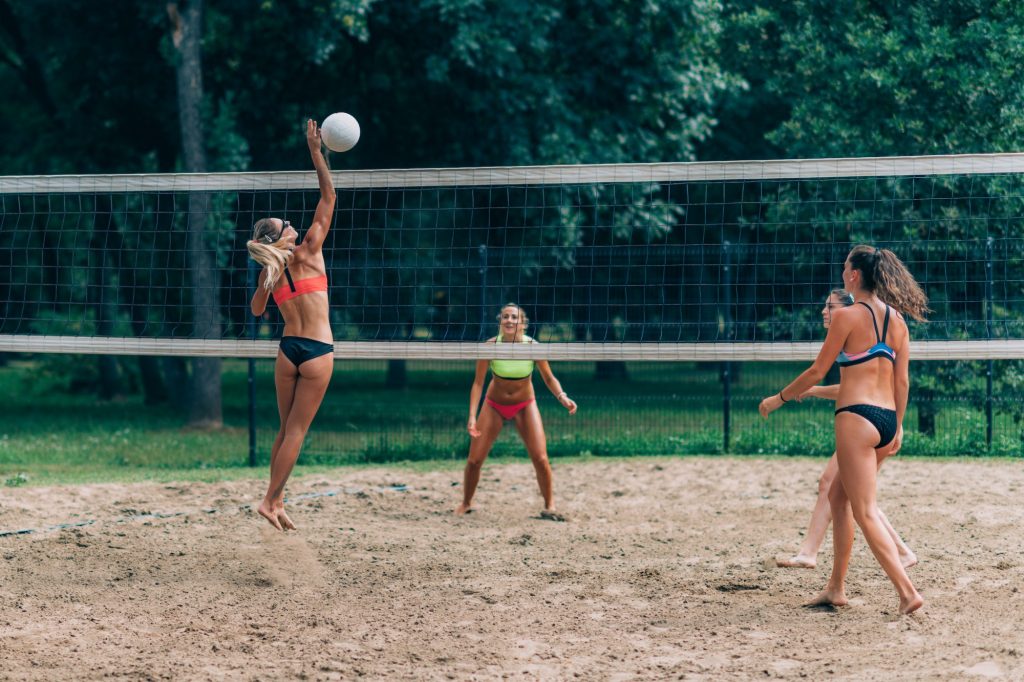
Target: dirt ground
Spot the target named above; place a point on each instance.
(663, 571)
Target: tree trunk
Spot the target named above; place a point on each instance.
(204, 399)
(176, 372)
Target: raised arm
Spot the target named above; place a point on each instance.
(325, 208)
(555, 386)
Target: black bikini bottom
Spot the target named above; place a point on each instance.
(883, 419)
(299, 349)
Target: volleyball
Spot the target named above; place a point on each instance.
(340, 132)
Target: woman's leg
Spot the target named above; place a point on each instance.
(821, 517)
(531, 430)
(489, 424)
(285, 376)
(842, 543)
(857, 471)
(907, 556)
(309, 389)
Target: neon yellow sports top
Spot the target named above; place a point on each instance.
(512, 369)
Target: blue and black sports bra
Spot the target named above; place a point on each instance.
(880, 350)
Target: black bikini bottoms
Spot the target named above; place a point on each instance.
(299, 349)
(883, 419)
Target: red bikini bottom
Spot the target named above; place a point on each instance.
(508, 411)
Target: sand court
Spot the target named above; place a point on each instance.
(663, 570)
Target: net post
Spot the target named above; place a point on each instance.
(253, 330)
(989, 274)
(726, 367)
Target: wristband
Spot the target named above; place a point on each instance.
(781, 398)
(559, 396)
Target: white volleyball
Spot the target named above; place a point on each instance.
(340, 132)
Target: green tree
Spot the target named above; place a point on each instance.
(855, 78)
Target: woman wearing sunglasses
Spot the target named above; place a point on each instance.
(296, 277)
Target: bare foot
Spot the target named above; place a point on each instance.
(796, 561)
(463, 509)
(908, 560)
(552, 515)
(829, 597)
(283, 518)
(269, 514)
(910, 605)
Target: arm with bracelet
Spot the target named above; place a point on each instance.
(555, 386)
(840, 328)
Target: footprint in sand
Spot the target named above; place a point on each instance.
(985, 669)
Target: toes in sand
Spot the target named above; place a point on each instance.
(797, 561)
(828, 598)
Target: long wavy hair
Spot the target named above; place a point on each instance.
(885, 275)
(272, 255)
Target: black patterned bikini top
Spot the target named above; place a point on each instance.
(880, 350)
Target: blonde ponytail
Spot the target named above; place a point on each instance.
(273, 256)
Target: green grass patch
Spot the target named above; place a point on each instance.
(52, 434)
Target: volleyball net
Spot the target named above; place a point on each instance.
(632, 262)
(724, 262)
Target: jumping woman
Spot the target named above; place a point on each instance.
(872, 400)
(510, 396)
(296, 276)
(821, 517)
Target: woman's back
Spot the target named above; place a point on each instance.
(307, 314)
(868, 376)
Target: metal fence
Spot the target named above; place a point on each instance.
(378, 411)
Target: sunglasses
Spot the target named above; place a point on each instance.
(268, 239)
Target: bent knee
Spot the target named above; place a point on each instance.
(824, 485)
(866, 514)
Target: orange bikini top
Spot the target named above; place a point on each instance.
(286, 292)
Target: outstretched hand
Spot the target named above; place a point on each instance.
(313, 137)
(769, 405)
